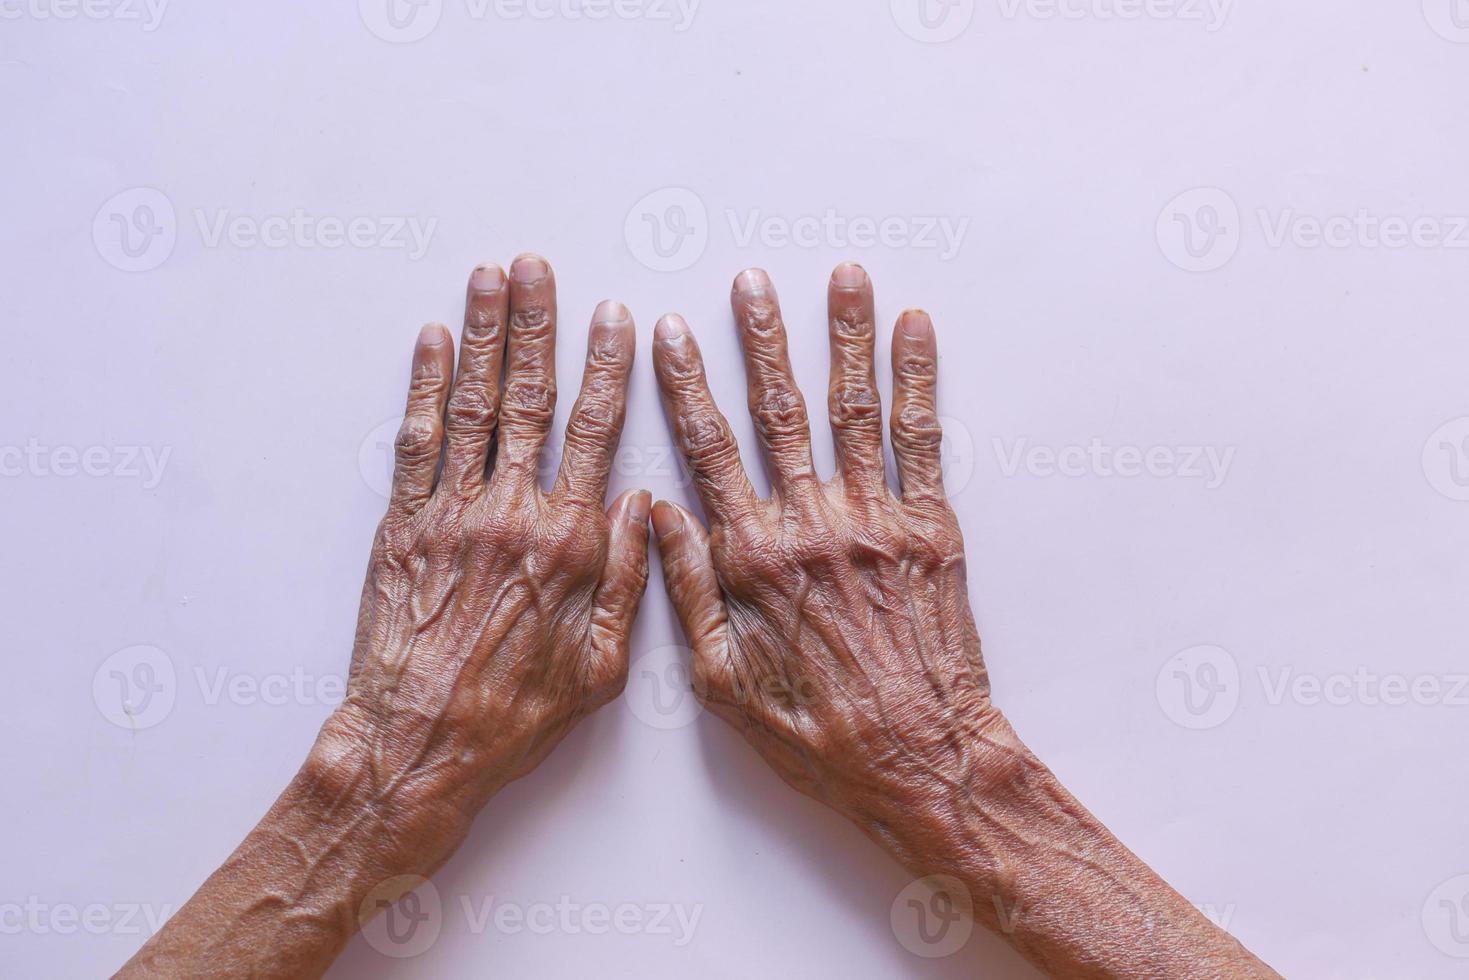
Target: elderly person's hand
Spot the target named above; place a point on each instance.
(494, 616)
(831, 625)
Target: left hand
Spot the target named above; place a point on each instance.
(495, 615)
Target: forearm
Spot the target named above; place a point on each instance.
(1047, 875)
(301, 884)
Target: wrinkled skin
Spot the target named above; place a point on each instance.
(830, 624)
(494, 616)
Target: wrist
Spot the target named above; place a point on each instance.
(1036, 866)
(400, 823)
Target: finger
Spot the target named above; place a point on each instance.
(688, 575)
(615, 604)
(475, 404)
(917, 437)
(420, 438)
(776, 404)
(529, 400)
(596, 419)
(853, 403)
(703, 433)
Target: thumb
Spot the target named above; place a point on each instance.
(624, 576)
(693, 588)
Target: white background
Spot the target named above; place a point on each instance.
(1321, 833)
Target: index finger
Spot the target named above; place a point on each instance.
(704, 436)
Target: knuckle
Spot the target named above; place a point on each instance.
(934, 535)
(916, 428)
(532, 322)
(417, 438)
(593, 426)
(778, 410)
(606, 353)
(427, 381)
(679, 370)
(531, 397)
(472, 407)
(853, 324)
(854, 405)
(706, 438)
(485, 327)
(762, 320)
(917, 368)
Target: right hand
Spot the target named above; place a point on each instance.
(831, 623)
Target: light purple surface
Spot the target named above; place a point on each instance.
(1073, 153)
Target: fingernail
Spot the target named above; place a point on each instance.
(752, 281)
(432, 335)
(638, 507)
(528, 269)
(610, 311)
(849, 275)
(486, 279)
(915, 324)
(665, 519)
(670, 327)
